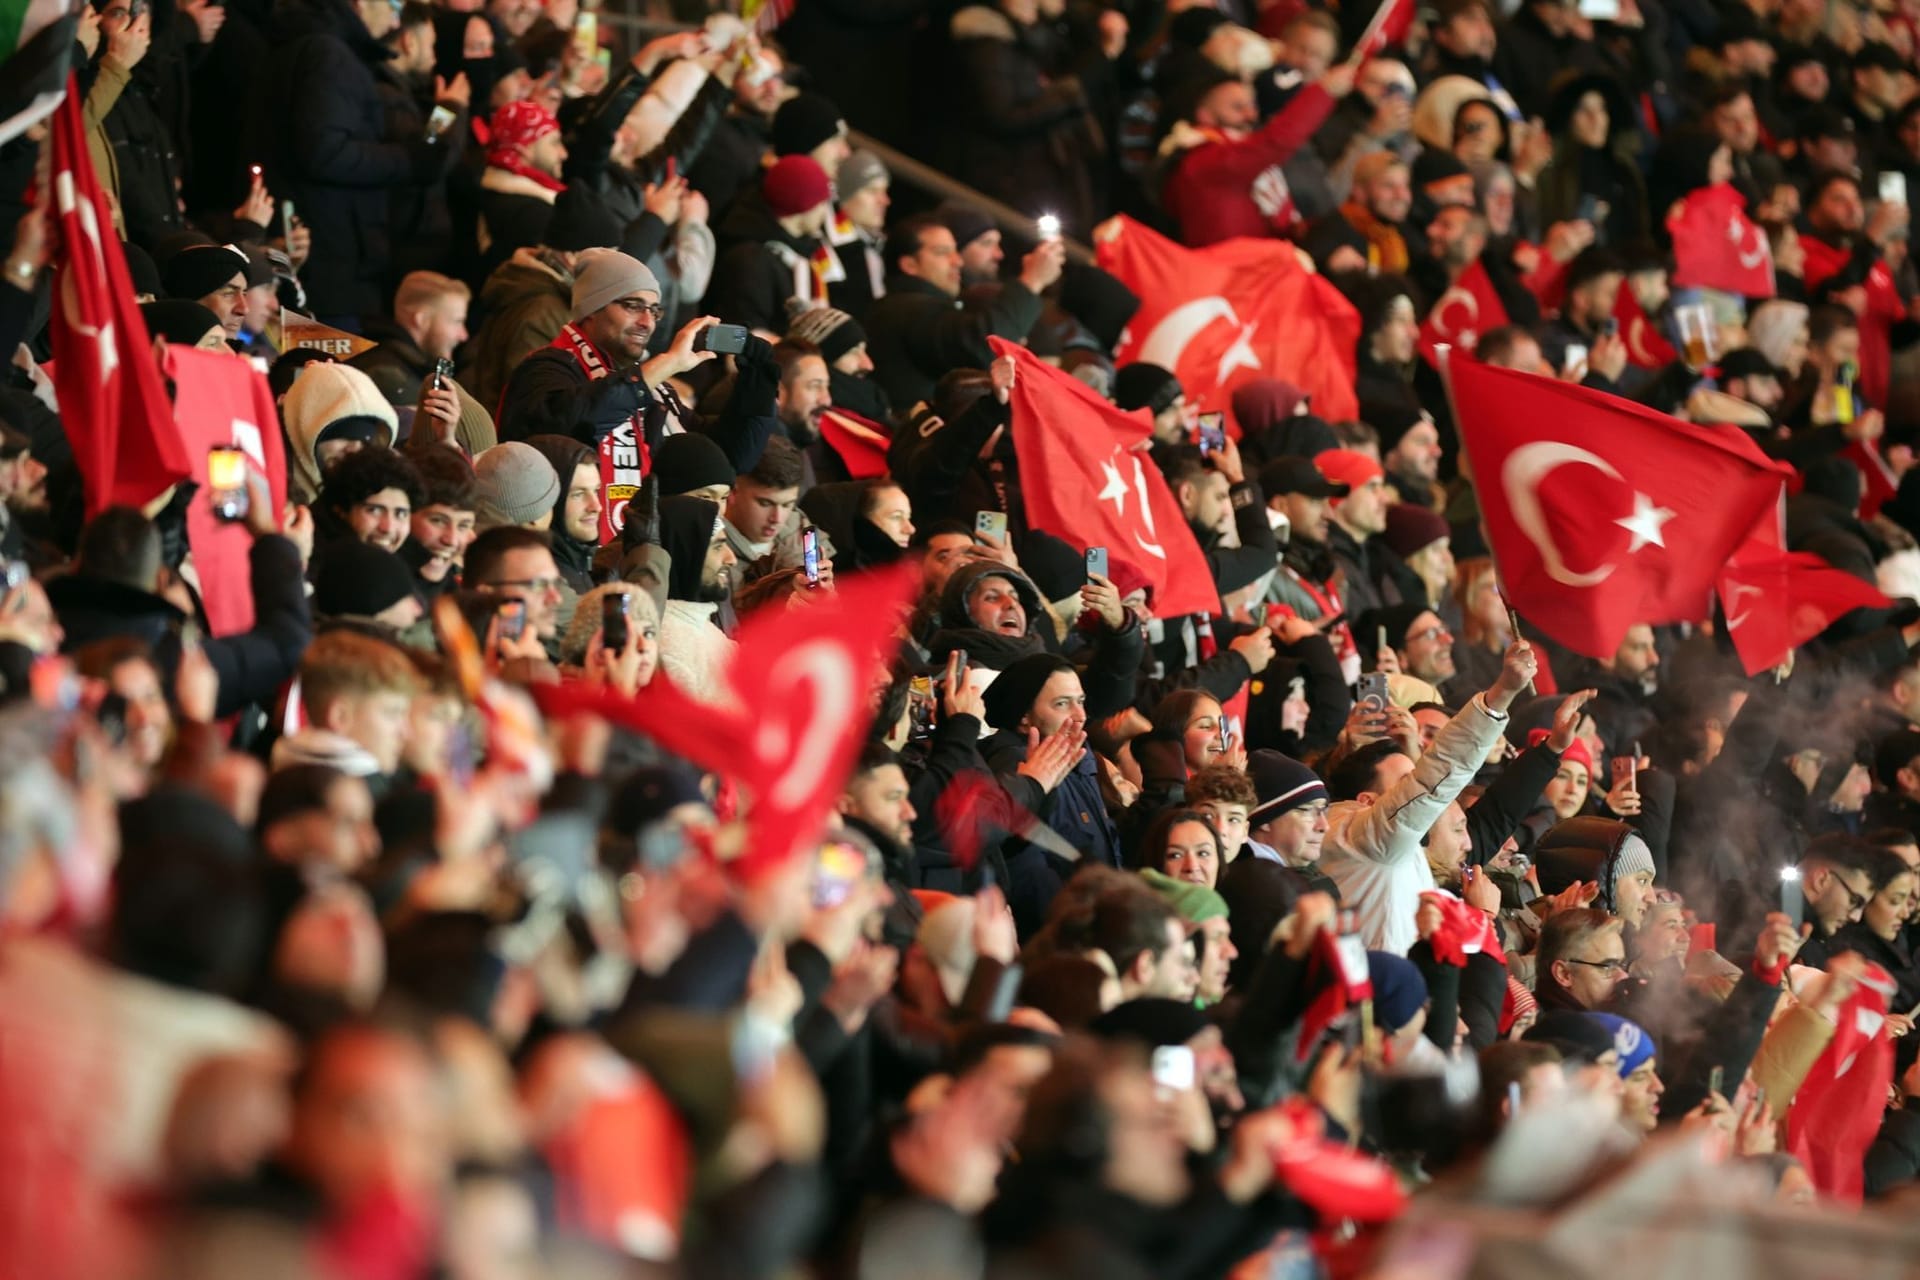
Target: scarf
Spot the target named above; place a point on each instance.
(509, 158)
(1386, 249)
(623, 456)
(516, 126)
(811, 275)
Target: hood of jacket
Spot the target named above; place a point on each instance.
(566, 453)
(530, 272)
(1581, 849)
(953, 600)
(686, 530)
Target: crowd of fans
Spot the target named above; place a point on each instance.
(302, 973)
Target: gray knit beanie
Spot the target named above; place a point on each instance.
(517, 485)
(601, 276)
(858, 172)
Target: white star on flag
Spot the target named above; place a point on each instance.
(1645, 523)
(1116, 488)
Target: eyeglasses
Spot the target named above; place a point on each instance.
(653, 309)
(1612, 968)
(539, 586)
(1429, 633)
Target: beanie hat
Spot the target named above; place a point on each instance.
(795, 184)
(517, 484)
(1391, 419)
(1395, 619)
(1577, 753)
(1155, 1021)
(178, 320)
(803, 122)
(1281, 784)
(602, 276)
(1579, 1036)
(1630, 1041)
(1434, 165)
(1412, 529)
(1399, 992)
(828, 328)
(1344, 466)
(358, 578)
(690, 461)
(326, 392)
(1196, 903)
(965, 221)
(200, 269)
(1012, 692)
(1145, 386)
(142, 270)
(859, 171)
(581, 220)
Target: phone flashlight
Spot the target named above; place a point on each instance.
(1048, 226)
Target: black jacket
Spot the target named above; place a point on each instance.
(328, 150)
(252, 666)
(148, 159)
(917, 334)
(421, 223)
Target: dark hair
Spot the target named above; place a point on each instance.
(1827, 319)
(1503, 1064)
(286, 370)
(485, 554)
(1845, 852)
(121, 545)
(1591, 263)
(781, 465)
(1498, 344)
(870, 493)
(1180, 464)
(1890, 837)
(1822, 181)
(1360, 769)
(790, 352)
(188, 908)
(1224, 783)
(1064, 987)
(364, 472)
(1171, 713)
(958, 391)
(874, 755)
(415, 14)
(909, 230)
(446, 479)
(1152, 850)
(1129, 922)
(984, 1038)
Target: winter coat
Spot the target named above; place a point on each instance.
(918, 333)
(328, 151)
(1218, 188)
(148, 161)
(521, 308)
(252, 665)
(730, 164)
(421, 223)
(761, 269)
(398, 368)
(1374, 852)
(1016, 133)
(693, 649)
(514, 213)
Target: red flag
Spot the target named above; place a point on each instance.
(799, 709)
(1463, 930)
(1231, 313)
(1878, 482)
(1647, 347)
(219, 400)
(112, 403)
(1836, 1113)
(1603, 513)
(1716, 246)
(1388, 27)
(1466, 310)
(1776, 600)
(1086, 482)
(1331, 1178)
(1338, 966)
(860, 442)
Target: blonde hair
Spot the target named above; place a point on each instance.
(346, 664)
(586, 618)
(424, 289)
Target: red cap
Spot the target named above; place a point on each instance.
(1344, 466)
(1577, 753)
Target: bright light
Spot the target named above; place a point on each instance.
(1789, 875)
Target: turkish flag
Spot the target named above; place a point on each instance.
(1776, 600)
(1836, 1112)
(796, 715)
(1231, 313)
(1716, 246)
(112, 403)
(1388, 27)
(221, 401)
(1647, 347)
(1603, 513)
(1466, 310)
(1086, 482)
(860, 442)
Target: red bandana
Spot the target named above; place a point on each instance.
(515, 127)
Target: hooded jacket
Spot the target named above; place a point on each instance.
(521, 308)
(574, 557)
(1582, 849)
(693, 650)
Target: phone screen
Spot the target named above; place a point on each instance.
(513, 619)
(1211, 433)
(810, 555)
(615, 628)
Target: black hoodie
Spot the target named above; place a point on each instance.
(574, 557)
(686, 531)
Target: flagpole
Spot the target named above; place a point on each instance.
(1443, 356)
(1362, 48)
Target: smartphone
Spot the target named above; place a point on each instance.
(1373, 690)
(439, 120)
(920, 708)
(1096, 562)
(1575, 358)
(673, 167)
(1610, 327)
(1600, 10)
(991, 523)
(1211, 433)
(15, 576)
(1626, 770)
(1230, 728)
(286, 219)
(442, 373)
(1717, 1081)
(810, 554)
(1793, 898)
(513, 619)
(1893, 187)
(227, 482)
(838, 869)
(722, 339)
(616, 629)
(1173, 1067)
(961, 661)
(1048, 226)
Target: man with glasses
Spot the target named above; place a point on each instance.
(518, 564)
(1839, 874)
(1420, 641)
(1582, 959)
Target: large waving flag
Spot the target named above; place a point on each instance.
(1716, 246)
(1231, 313)
(1087, 482)
(112, 402)
(1603, 513)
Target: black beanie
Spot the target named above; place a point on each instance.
(686, 530)
(178, 320)
(141, 270)
(195, 272)
(687, 462)
(803, 123)
(581, 220)
(360, 579)
(1012, 692)
(1145, 386)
